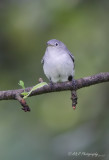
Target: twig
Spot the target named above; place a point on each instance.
(74, 99)
(23, 103)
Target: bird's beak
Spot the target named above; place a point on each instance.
(48, 44)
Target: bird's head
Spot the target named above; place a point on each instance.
(55, 43)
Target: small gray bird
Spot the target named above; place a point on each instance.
(58, 62)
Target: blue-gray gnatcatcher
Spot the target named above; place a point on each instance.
(58, 62)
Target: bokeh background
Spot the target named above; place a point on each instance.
(52, 130)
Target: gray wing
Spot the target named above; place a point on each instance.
(71, 56)
(42, 60)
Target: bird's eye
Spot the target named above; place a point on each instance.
(56, 44)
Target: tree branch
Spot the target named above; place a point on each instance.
(80, 83)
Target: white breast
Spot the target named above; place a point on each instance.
(58, 65)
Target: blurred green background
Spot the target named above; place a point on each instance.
(53, 129)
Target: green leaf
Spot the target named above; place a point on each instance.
(24, 93)
(21, 83)
(35, 87)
